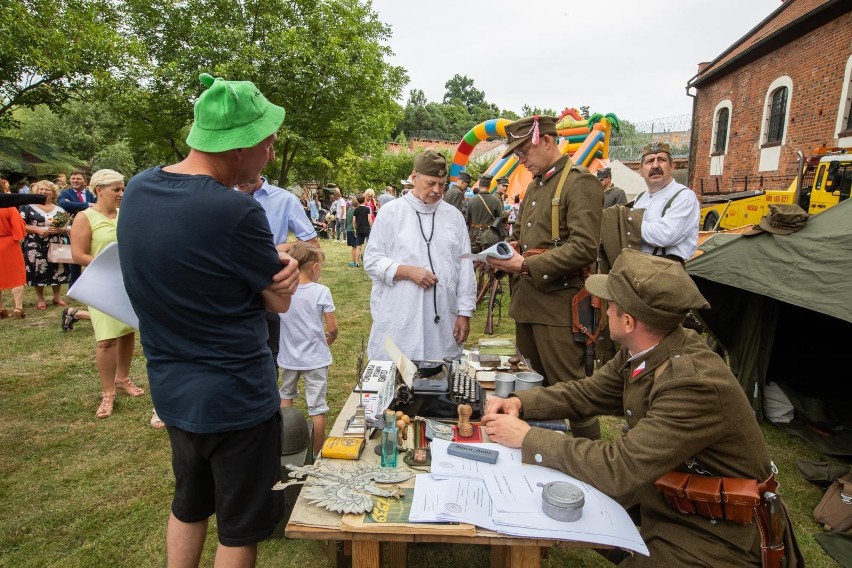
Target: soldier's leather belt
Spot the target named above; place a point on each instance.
(478, 226)
(733, 499)
(533, 252)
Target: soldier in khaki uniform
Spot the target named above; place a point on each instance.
(480, 215)
(684, 409)
(455, 193)
(545, 275)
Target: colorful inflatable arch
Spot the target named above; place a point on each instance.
(585, 140)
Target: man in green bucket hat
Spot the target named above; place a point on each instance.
(200, 269)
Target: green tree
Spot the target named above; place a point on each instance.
(529, 111)
(460, 88)
(52, 50)
(416, 97)
(322, 60)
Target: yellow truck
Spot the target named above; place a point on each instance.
(825, 179)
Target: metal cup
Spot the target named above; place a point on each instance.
(504, 384)
(527, 380)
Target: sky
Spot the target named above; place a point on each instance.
(629, 57)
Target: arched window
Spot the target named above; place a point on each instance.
(843, 130)
(777, 115)
(720, 142)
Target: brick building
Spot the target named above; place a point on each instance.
(784, 87)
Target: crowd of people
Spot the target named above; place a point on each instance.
(218, 330)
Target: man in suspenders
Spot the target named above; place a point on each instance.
(670, 223)
(556, 235)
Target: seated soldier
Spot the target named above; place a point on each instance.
(684, 410)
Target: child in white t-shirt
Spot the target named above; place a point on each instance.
(305, 337)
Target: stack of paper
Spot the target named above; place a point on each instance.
(506, 498)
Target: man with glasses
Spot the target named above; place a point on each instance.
(671, 210)
(546, 269)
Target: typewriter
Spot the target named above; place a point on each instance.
(438, 391)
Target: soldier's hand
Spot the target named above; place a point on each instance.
(504, 429)
(496, 405)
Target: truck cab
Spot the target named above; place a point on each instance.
(826, 180)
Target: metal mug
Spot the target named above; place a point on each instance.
(504, 384)
(527, 380)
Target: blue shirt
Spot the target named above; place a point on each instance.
(285, 213)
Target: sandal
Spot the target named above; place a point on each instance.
(41, 305)
(69, 318)
(156, 423)
(105, 408)
(4, 313)
(59, 302)
(127, 387)
(18, 313)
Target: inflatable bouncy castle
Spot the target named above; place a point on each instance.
(585, 140)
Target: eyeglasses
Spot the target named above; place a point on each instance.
(521, 154)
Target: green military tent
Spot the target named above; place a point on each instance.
(781, 311)
(34, 159)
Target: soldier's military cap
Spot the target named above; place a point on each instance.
(430, 163)
(653, 289)
(503, 181)
(528, 128)
(781, 219)
(655, 148)
(604, 173)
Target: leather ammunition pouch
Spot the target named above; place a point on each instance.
(733, 499)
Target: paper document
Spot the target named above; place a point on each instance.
(514, 502)
(500, 250)
(102, 287)
(407, 369)
(455, 500)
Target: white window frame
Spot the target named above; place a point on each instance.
(845, 107)
(771, 156)
(717, 162)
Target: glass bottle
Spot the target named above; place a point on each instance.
(389, 440)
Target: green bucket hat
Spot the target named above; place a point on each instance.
(231, 115)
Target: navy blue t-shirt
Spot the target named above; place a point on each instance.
(195, 256)
(362, 217)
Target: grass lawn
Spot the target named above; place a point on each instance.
(81, 492)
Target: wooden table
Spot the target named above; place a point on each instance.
(312, 522)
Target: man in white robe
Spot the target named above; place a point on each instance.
(423, 296)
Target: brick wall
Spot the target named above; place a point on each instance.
(815, 63)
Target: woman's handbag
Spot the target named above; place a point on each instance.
(59, 253)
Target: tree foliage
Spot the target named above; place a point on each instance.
(52, 50)
(460, 88)
(322, 60)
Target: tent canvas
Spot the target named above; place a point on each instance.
(781, 309)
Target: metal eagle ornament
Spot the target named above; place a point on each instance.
(347, 489)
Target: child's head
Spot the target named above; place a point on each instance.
(360, 199)
(310, 259)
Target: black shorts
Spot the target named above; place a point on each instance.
(361, 238)
(230, 474)
(350, 238)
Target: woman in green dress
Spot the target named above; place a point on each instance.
(93, 229)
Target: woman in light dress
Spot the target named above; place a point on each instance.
(93, 229)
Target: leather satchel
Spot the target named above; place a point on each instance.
(834, 511)
(59, 253)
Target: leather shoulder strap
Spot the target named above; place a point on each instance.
(554, 205)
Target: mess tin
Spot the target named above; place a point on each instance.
(504, 384)
(562, 501)
(527, 380)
